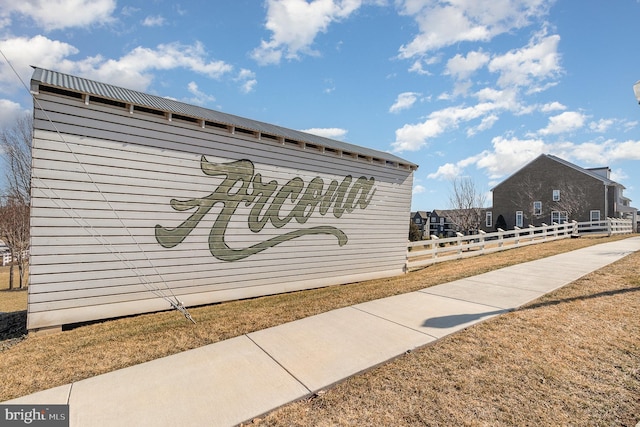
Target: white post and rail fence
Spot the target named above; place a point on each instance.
(426, 252)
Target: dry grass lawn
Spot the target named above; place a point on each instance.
(572, 358)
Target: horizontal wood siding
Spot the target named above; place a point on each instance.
(104, 179)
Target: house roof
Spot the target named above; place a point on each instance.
(134, 98)
(603, 179)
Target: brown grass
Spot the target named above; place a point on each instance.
(41, 362)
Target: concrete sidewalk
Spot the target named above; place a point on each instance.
(233, 381)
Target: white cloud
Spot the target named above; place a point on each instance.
(529, 66)
(462, 67)
(602, 125)
(294, 25)
(333, 133)
(418, 189)
(444, 23)
(247, 79)
(11, 111)
(606, 152)
(552, 106)
(486, 123)
(154, 21)
(563, 123)
(60, 14)
(413, 137)
(133, 70)
(619, 175)
(446, 172)
(200, 98)
(404, 101)
(507, 156)
(23, 52)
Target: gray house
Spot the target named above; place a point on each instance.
(549, 189)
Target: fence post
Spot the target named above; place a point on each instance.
(500, 237)
(434, 246)
(545, 231)
(516, 236)
(609, 227)
(482, 233)
(459, 242)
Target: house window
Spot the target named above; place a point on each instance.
(489, 219)
(537, 208)
(433, 219)
(556, 195)
(418, 221)
(559, 217)
(595, 215)
(518, 218)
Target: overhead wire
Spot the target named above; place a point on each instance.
(62, 204)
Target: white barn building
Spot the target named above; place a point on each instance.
(141, 203)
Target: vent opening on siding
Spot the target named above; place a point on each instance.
(245, 131)
(105, 101)
(62, 92)
(150, 111)
(308, 146)
(184, 118)
(292, 142)
(211, 124)
(216, 125)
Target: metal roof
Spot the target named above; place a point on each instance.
(81, 85)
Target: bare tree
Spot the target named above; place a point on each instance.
(14, 231)
(572, 199)
(467, 204)
(15, 146)
(528, 191)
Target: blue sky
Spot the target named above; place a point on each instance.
(461, 87)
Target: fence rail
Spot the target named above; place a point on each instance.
(610, 226)
(427, 252)
(6, 257)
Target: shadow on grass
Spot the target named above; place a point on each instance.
(13, 328)
(454, 320)
(580, 298)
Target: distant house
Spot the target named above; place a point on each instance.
(421, 219)
(549, 189)
(5, 253)
(440, 223)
